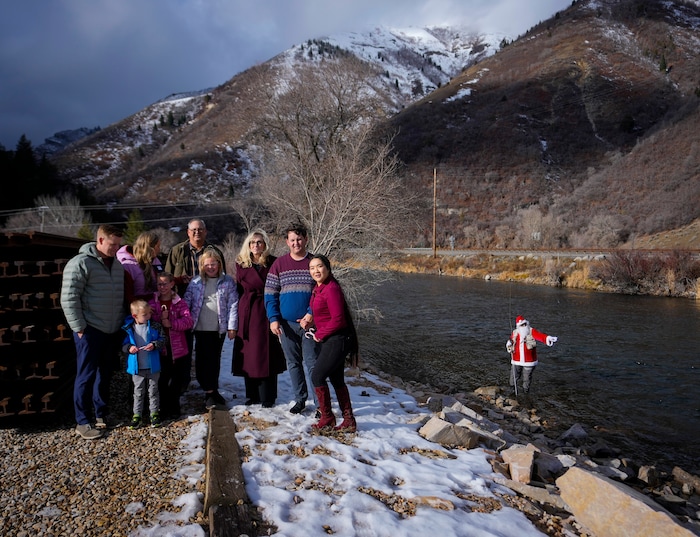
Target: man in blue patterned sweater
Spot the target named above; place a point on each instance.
(287, 294)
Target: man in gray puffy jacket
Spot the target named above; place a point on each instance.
(92, 298)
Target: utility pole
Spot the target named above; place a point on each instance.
(42, 209)
(434, 212)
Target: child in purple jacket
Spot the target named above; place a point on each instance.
(172, 313)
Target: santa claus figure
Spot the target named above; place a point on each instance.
(522, 347)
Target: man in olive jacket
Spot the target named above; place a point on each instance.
(183, 259)
(92, 298)
(183, 264)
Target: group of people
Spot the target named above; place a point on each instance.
(282, 313)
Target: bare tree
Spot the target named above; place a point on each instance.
(59, 216)
(324, 165)
(252, 211)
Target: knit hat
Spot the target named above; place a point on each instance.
(520, 320)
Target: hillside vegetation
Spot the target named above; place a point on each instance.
(571, 136)
(581, 132)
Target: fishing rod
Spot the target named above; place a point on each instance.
(510, 322)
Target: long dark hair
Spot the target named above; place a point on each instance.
(352, 358)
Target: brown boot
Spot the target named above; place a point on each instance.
(349, 425)
(323, 394)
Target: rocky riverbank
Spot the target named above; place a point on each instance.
(520, 423)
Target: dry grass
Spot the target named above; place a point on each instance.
(664, 274)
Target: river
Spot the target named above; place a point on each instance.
(626, 366)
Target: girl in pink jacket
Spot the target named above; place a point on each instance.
(172, 313)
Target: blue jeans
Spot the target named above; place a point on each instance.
(298, 351)
(96, 354)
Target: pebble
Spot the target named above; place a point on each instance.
(55, 483)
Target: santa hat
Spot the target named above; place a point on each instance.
(520, 320)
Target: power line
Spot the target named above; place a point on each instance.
(107, 207)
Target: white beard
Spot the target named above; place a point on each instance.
(523, 331)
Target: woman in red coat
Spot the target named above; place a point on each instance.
(257, 353)
(336, 333)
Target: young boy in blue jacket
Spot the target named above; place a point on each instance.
(143, 342)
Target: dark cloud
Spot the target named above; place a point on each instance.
(84, 63)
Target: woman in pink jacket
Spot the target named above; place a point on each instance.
(172, 313)
(336, 333)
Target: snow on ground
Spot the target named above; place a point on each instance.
(383, 481)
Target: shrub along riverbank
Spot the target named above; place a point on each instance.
(673, 273)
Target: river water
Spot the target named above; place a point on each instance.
(626, 366)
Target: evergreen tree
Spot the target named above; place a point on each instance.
(86, 232)
(134, 227)
(23, 178)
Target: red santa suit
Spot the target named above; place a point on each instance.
(523, 343)
(522, 347)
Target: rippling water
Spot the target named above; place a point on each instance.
(627, 365)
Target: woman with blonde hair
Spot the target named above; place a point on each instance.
(141, 266)
(257, 353)
(213, 302)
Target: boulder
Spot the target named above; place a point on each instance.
(607, 471)
(537, 494)
(606, 507)
(566, 460)
(488, 391)
(447, 434)
(575, 434)
(691, 481)
(467, 411)
(648, 475)
(464, 434)
(520, 460)
(547, 466)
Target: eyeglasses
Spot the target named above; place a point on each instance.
(196, 229)
(251, 243)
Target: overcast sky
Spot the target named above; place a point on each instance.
(66, 64)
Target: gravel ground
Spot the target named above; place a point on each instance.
(55, 483)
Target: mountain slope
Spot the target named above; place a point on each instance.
(580, 133)
(572, 135)
(146, 157)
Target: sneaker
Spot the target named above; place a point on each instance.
(135, 422)
(218, 398)
(87, 432)
(298, 407)
(100, 423)
(209, 402)
(155, 420)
